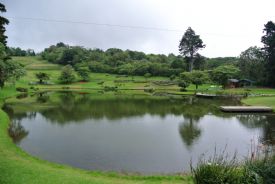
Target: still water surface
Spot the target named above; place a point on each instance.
(132, 134)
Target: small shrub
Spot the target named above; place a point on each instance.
(183, 90)
(262, 169)
(149, 90)
(100, 83)
(110, 88)
(67, 75)
(217, 170)
(183, 84)
(172, 77)
(21, 89)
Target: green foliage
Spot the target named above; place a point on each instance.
(212, 63)
(147, 75)
(172, 77)
(183, 84)
(114, 60)
(9, 70)
(3, 22)
(20, 52)
(218, 170)
(190, 44)
(67, 75)
(269, 48)
(221, 74)
(21, 89)
(83, 73)
(41, 76)
(195, 77)
(262, 170)
(252, 64)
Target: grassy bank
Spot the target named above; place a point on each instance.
(260, 101)
(18, 167)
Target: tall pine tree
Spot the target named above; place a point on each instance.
(269, 48)
(3, 23)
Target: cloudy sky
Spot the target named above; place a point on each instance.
(227, 27)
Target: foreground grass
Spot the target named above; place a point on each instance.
(260, 101)
(17, 167)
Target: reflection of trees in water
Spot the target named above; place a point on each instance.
(265, 122)
(67, 107)
(17, 131)
(42, 98)
(189, 131)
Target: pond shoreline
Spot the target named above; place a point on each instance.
(23, 167)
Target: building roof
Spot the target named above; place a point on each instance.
(233, 80)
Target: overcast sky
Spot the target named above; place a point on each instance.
(227, 27)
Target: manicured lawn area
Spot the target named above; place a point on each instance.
(262, 101)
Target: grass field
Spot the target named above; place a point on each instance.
(260, 101)
(34, 65)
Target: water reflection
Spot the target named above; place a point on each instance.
(17, 131)
(189, 131)
(132, 133)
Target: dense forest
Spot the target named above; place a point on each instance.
(127, 62)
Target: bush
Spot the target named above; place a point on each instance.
(262, 170)
(183, 84)
(21, 89)
(172, 77)
(149, 90)
(218, 170)
(67, 75)
(110, 88)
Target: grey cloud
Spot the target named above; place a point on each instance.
(173, 14)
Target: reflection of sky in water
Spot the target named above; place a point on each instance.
(145, 143)
(147, 136)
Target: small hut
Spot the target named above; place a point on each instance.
(245, 83)
(235, 83)
(232, 83)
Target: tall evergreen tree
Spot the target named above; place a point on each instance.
(3, 22)
(269, 48)
(190, 44)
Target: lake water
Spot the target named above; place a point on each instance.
(132, 133)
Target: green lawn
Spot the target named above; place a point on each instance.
(261, 101)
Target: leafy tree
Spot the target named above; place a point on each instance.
(67, 75)
(147, 75)
(41, 76)
(83, 73)
(183, 84)
(221, 74)
(196, 77)
(3, 22)
(212, 63)
(252, 64)
(9, 70)
(190, 44)
(269, 48)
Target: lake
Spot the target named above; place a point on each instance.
(132, 133)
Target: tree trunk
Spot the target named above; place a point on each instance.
(191, 63)
(2, 83)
